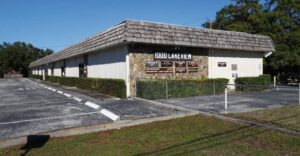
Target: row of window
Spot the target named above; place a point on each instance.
(82, 68)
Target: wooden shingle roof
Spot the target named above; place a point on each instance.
(130, 31)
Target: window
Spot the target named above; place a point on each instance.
(62, 71)
(234, 67)
(63, 68)
(82, 70)
(52, 69)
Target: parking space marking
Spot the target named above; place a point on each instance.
(67, 95)
(77, 99)
(48, 118)
(60, 92)
(109, 114)
(34, 102)
(25, 109)
(90, 104)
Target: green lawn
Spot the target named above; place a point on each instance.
(285, 117)
(194, 135)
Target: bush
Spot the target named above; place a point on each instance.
(253, 83)
(113, 87)
(40, 77)
(156, 89)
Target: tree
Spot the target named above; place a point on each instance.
(18, 56)
(280, 19)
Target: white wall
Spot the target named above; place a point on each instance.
(57, 68)
(72, 69)
(248, 64)
(110, 63)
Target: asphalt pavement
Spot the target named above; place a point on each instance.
(28, 107)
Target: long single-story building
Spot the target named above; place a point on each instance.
(139, 49)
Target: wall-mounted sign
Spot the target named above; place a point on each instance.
(166, 64)
(159, 70)
(221, 64)
(165, 70)
(152, 71)
(180, 70)
(192, 64)
(180, 64)
(193, 70)
(172, 56)
(151, 64)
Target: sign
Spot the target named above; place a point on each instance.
(159, 70)
(166, 64)
(180, 70)
(165, 70)
(192, 64)
(172, 56)
(180, 64)
(193, 70)
(221, 64)
(151, 64)
(152, 71)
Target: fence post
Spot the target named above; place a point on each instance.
(135, 87)
(226, 101)
(167, 89)
(214, 87)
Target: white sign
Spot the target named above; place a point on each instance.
(172, 56)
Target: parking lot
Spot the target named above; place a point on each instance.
(27, 107)
(239, 101)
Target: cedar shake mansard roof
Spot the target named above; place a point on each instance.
(130, 31)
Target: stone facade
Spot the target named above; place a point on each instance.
(140, 54)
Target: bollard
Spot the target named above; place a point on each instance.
(135, 87)
(167, 89)
(274, 81)
(299, 93)
(226, 104)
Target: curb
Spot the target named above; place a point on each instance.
(93, 128)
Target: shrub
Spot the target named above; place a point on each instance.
(40, 77)
(113, 87)
(156, 89)
(261, 82)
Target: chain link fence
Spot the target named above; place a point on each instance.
(216, 97)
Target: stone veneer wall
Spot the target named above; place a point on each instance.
(140, 54)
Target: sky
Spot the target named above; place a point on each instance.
(56, 24)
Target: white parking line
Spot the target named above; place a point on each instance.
(109, 114)
(67, 95)
(39, 108)
(90, 104)
(60, 92)
(77, 99)
(48, 118)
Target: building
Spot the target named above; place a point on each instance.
(138, 49)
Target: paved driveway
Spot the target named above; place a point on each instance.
(239, 102)
(26, 108)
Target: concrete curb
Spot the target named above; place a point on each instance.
(94, 128)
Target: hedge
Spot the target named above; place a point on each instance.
(113, 87)
(40, 77)
(156, 89)
(253, 83)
